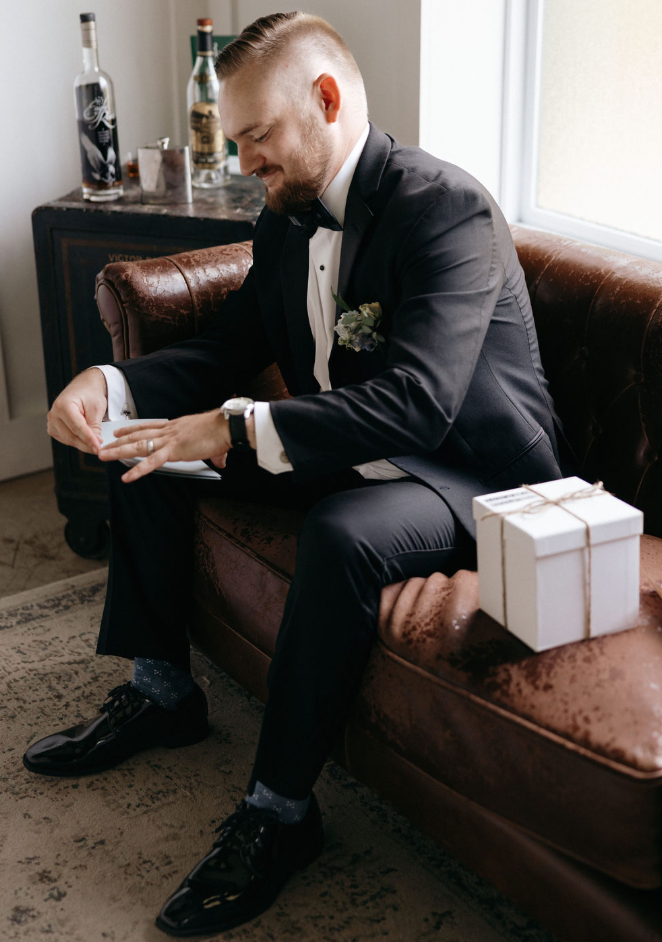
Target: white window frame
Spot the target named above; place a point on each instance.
(521, 116)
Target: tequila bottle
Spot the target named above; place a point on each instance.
(209, 162)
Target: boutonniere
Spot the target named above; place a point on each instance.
(357, 329)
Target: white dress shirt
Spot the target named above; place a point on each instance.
(323, 269)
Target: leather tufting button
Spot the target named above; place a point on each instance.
(638, 377)
(584, 353)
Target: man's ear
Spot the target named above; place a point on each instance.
(328, 95)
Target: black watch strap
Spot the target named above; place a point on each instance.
(238, 433)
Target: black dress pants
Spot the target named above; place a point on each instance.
(358, 536)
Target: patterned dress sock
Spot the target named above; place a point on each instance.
(289, 810)
(161, 681)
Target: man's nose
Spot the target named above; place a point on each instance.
(249, 159)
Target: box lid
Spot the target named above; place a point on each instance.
(551, 528)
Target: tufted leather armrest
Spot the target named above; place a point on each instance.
(148, 304)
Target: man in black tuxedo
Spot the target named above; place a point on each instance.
(398, 418)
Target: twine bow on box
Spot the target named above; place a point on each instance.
(535, 507)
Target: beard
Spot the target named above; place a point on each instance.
(307, 174)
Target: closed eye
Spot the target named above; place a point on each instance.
(263, 137)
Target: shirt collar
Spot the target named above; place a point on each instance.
(335, 195)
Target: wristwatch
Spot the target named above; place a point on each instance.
(236, 411)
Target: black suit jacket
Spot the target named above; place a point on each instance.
(457, 398)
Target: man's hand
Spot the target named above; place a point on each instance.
(189, 438)
(75, 416)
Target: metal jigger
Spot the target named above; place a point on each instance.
(165, 173)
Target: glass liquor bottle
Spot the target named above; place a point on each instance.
(94, 99)
(209, 161)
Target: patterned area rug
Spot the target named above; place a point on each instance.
(92, 860)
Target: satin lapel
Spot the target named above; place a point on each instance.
(357, 219)
(294, 281)
(358, 214)
(347, 367)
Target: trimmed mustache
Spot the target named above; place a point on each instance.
(265, 171)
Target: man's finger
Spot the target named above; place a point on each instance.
(135, 432)
(135, 449)
(71, 429)
(144, 467)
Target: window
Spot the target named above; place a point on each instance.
(592, 121)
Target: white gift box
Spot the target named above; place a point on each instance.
(556, 573)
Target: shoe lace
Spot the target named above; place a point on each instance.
(247, 826)
(122, 703)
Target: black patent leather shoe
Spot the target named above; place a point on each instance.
(127, 723)
(250, 862)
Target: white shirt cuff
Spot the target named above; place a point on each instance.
(270, 452)
(120, 400)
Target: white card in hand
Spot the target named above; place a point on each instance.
(190, 469)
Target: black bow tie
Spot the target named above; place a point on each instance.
(318, 216)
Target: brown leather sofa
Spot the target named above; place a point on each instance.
(543, 772)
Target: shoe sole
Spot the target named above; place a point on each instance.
(240, 921)
(173, 742)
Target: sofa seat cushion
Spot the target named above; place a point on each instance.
(245, 556)
(565, 744)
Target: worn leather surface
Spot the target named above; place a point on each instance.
(598, 315)
(148, 304)
(244, 562)
(566, 743)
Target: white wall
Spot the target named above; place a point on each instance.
(462, 64)
(384, 36)
(39, 161)
(144, 45)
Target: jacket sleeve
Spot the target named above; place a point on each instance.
(198, 374)
(449, 279)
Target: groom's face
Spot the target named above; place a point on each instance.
(280, 138)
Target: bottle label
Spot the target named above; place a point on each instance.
(207, 141)
(97, 136)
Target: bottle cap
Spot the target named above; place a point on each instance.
(87, 17)
(206, 24)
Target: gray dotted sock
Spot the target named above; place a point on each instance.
(289, 810)
(161, 681)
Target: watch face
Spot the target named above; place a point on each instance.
(237, 406)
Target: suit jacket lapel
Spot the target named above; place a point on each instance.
(294, 280)
(348, 366)
(358, 214)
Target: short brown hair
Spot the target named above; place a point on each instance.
(264, 41)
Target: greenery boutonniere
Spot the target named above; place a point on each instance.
(357, 330)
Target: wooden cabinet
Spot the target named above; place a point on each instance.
(74, 239)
